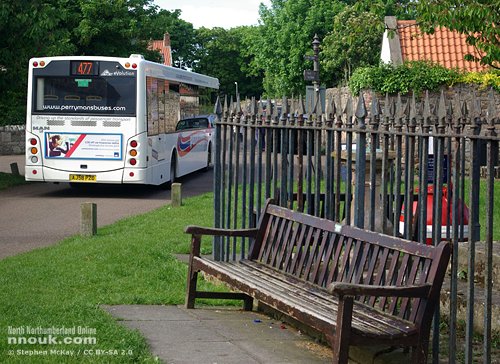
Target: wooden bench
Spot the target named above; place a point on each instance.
(355, 286)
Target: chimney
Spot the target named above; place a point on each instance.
(167, 50)
(166, 40)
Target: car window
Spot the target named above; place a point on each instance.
(194, 123)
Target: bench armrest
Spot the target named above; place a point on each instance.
(349, 289)
(199, 230)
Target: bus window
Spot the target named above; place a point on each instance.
(92, 95)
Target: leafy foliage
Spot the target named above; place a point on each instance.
(224, 54)
(286, 33)
(82, 27)
(477, 19)
(483, 79)
(355, 41)
(416, 75)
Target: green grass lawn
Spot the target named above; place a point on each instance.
(129, 262)
(9, 180)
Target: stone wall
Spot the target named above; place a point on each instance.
(12, 139)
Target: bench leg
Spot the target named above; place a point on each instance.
(191, 288)
(419, 353)
(343, 333)
(248, 303)
(192, 277)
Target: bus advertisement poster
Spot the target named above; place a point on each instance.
(83, 146)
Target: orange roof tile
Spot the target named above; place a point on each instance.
(444, 47)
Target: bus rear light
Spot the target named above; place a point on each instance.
(34, 150)
(35, 64)
(127, 65)
(131, 174)
(34, 159)
(42, 63)
(33, 141)
(134, 66)
(133, 161)
(133, 153)
(133, 143)
(35, 171)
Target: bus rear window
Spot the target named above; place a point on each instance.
(85, 95)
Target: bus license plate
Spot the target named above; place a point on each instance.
(82, 177)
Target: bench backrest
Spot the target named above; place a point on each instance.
(322, 251)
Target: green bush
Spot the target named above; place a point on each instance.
(416, 76)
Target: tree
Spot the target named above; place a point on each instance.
(477, 19)
(182, 36)
(78, 27)
(225, 54)
(355, 41)
(287, 30)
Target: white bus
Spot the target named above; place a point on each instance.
(115, 120)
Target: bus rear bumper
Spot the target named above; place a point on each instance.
(124, 175)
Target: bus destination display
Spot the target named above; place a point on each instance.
(84, 68)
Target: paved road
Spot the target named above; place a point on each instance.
(40, 214)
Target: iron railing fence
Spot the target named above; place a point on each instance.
(392, 167)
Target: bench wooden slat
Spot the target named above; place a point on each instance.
(384, 288)
(369, 322)
(363, 319)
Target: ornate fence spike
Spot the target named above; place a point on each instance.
(349, 111)
(218, 108)
(338, 109)
(238, 110)
(413, 111)
(399, 112)
(457, 112)
(361, 109)
(405, 112)
(464, 111)
(269, 111)
(427, 110)
(301, 106)
(375, 111)
(441, 111)
(293, 111)
(475, 108)
(232, 107)
(492, 114)
(253, 106)
(285, 110)
(388, 112)
(274, 114)
(260, 112)
(226, 110)
(331, 108)
(449, 114)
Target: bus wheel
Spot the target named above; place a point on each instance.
(209, 157)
